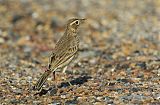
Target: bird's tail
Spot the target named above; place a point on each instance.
(42, 80)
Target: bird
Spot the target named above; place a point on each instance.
(65, 51)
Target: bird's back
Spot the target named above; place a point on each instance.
(66, 43)
(65, 49)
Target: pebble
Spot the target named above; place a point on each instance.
(157, 96)
(36, 102)
(17, 91)
(27, 49)
(98, 103)
(63, 96)
(15, 101)
(141, 65)
(93, 61)
(29, 78)
(2, 40)
(99, 98)
(16, 18)
(12, 67)
(35, 15)
(55, 103)
(108, 99)
(72, 102)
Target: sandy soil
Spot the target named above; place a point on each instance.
(119, 55)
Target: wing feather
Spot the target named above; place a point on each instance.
(65, 48)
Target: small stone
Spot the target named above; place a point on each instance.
(92, 61)
(98, 103)
(158, 96)
(53, 91)
(2, 40)
(99, 98)
(72, 102)
(123, 80)
(81, 98)
(14, 101)
(17, 91)
(142, 65)
(27, 49)
(16, 18)
(36, 102)
(12, 67)
(35, 15)
(63, 96)
(29, 78)
(135, 89)
(55, 103)
(140, 75)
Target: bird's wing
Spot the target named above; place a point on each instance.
(64, 50)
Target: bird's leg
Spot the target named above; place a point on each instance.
(64, 71)
(54, 75)
(69, 82)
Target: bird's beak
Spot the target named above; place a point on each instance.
(83, 20)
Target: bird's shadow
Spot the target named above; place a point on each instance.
(77, 81)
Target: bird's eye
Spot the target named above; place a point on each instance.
(77, 22)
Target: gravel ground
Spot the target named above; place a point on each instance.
(119, 56)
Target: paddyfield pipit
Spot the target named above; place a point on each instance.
(65, 50)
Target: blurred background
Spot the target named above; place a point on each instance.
(118, 35)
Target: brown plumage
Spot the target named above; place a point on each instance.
(65, 50)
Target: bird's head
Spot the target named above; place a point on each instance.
(74, 23)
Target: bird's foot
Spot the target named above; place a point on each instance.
(69, 83)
